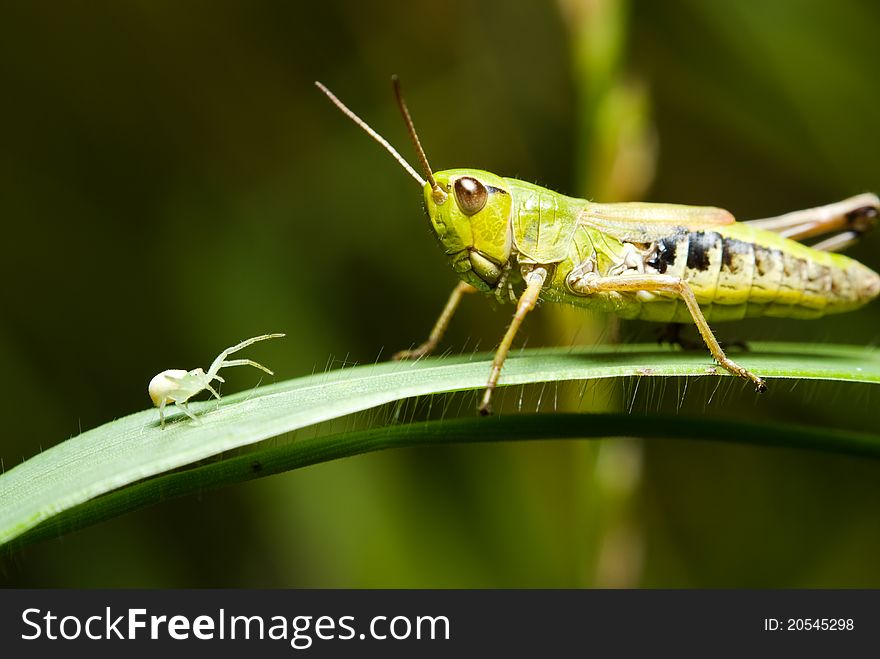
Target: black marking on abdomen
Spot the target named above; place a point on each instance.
(767, 259)
(731, 247)
(699, 246)
(664, 254)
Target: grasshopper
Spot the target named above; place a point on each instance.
(659, 262)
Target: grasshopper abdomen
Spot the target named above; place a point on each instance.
(735, 271)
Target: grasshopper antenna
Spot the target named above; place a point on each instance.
(439, 194)
(381, 140)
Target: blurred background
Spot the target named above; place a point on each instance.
(172, 182)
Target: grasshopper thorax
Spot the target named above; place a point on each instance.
(472, 223)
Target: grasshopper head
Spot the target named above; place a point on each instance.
(469, 209)
(471, 221)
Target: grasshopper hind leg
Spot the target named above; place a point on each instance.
(846, 220)
(666, 283)
(673, 334)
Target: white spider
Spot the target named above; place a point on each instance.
(178, 386)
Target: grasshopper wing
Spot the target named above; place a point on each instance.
(646, 222)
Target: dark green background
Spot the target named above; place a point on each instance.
(171, 182)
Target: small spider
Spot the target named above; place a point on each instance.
(178, 386)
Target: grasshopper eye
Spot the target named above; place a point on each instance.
(471, 195)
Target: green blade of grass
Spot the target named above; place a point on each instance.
(134, 448)
(267, 461)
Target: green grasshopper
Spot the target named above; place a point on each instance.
(659, 262)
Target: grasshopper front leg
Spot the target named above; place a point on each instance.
(666, 283)
(440, 326)
(534, 282)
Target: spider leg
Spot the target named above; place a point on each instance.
(183, 406)
(218, 362)
(245, 362)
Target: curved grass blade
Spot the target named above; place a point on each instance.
(277, 459)
(134, 448)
